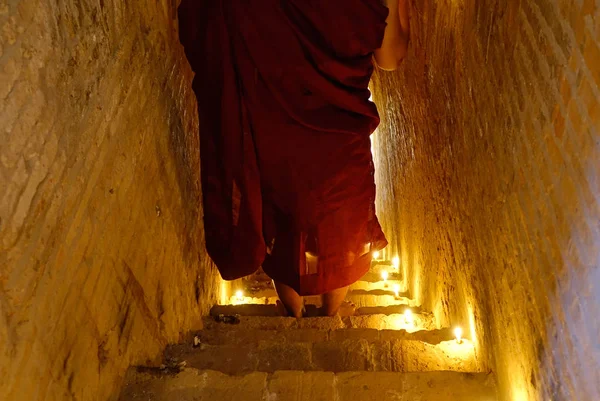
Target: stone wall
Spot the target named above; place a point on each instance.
(101, 249)
(488, 162)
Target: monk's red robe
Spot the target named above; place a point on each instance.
(285, 119)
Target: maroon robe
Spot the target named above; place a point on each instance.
(285, 119)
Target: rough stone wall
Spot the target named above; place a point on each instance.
(488, 163)
(101, 249)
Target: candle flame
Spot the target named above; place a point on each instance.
(239, 294)
(384, 275)
(396, 262)
(396, 290)
(458, 332)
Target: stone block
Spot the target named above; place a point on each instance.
(195, 385)
(433, 386)
(340, 356)
(283, 356)
(305, 335)
(354, 334)
(230, 359)
(301, 386)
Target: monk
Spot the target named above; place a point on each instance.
(285, 124)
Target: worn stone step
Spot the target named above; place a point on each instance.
(387, 286)
(361, 298)
(208, 385)
(336, 353)
(378, 266)
(221, 335)
(379, 321)
(373, 275)
(311, 310)
(358, 288)
(255, 284)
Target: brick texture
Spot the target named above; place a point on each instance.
(488, 162)
(101, 255)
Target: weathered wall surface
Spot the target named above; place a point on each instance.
(101, 249)
(489, 183)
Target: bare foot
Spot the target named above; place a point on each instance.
(346, 308)
(283, 311)
(333, 303)
(292, 304)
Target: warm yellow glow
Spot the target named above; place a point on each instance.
(414, 286)
(376, 255)
(472, 328)
(224, 292)
(463, 353)
(396, 290)
(396, 262)
(384, 276)
(239, 294)
(405, 273)
(458, 332)
(408, 317)
(519, 393)
(396, 323)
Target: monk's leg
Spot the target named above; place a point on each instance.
(334, 304)
(293, 303)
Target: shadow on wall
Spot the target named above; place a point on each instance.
(184, 146)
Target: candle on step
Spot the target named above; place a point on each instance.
(408, 316)
(384, 276)
(396, 262)
(458, 332)
(376, 255)
(239, 294)
(396, 290)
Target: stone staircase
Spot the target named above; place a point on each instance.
(247, 352)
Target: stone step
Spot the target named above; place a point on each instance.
(311, 310)
(264, 317)
(359, 288)
(372, 280)
(221, 335)
(375, 277)
(361, 298)
(387, 286)
(379, 266)
(208, 385)
(337, 351)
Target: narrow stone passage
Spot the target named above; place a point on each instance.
(389, 349)
(488, 189)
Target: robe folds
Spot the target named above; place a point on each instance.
(285, 124)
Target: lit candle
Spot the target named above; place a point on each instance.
(239, 294)
(408, 316)
(384, 276)
(458, 332)
(376, 255)
(396, 290)
(396, 262)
